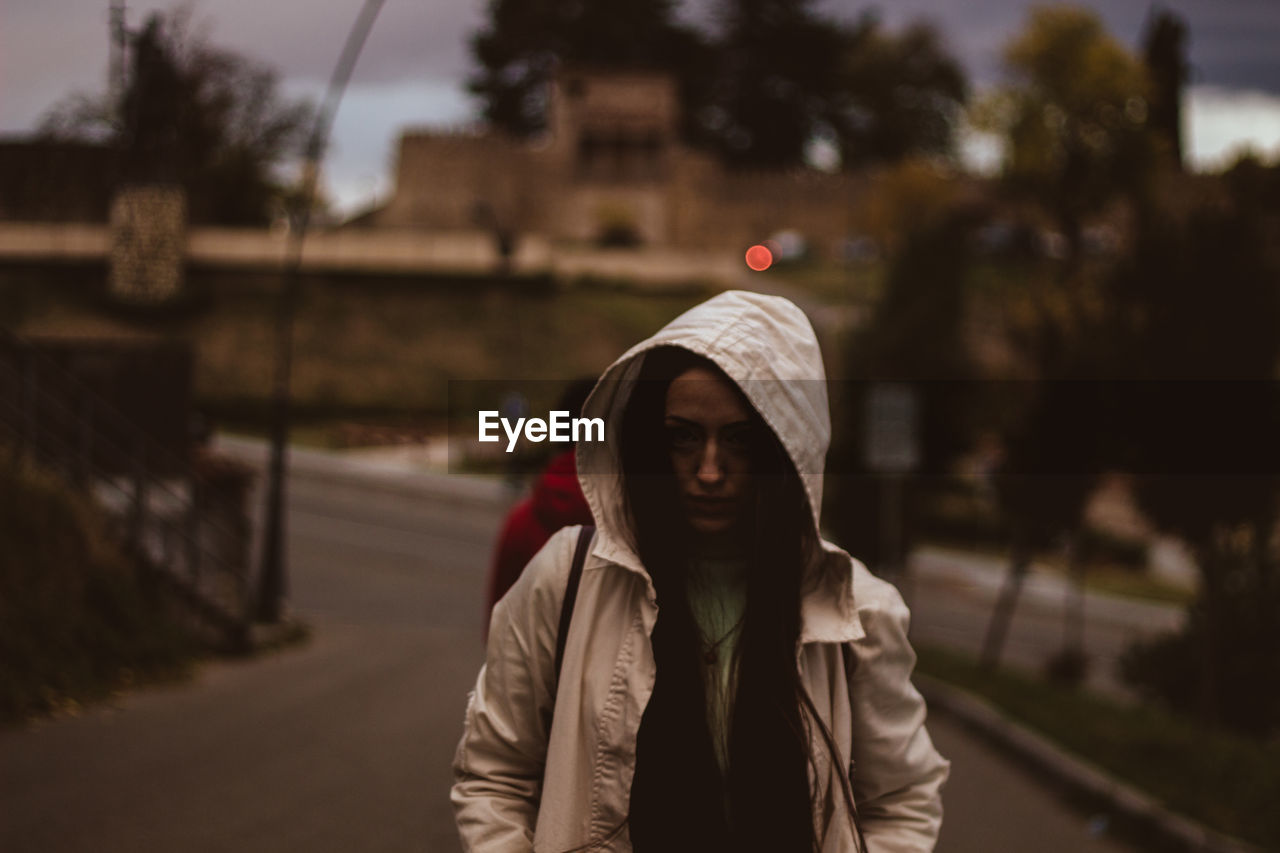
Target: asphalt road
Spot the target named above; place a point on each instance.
(993, 805)
(344, 744)
(341, 745)
(952, 595)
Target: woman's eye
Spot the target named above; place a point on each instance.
(682, 437)
(739, 438)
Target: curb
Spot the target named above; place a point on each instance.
(1136, 808)
(333, 467)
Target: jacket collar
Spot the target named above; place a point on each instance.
(828, 610)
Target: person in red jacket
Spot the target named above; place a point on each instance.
(556, 501)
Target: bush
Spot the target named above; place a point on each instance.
(1068, 667)
(1224, 666)
(955, 512)
(1227, 781)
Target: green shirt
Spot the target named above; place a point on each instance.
(717, 591)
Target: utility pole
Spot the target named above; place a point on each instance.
(117, 45)
(272, 580)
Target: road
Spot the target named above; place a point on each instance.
(341, 745)
(952, 595)
(344, 743)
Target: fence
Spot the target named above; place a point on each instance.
(181, 516)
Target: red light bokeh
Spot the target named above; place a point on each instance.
(759, 258)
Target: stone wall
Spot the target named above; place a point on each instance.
(458, 180)
(588, 213)
(715, 208)
(687, 201)
(443, 181)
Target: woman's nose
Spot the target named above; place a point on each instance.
(710, 464)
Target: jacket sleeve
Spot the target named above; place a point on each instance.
(897, 773)
(497, 769)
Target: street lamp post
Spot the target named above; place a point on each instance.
(272, 576)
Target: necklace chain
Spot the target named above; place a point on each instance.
(710, 651)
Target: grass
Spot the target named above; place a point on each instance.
(1227, 782)
(77, 620)
(834, 282)
(1124, 582)
(379, 348)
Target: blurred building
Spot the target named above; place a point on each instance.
(611, 171)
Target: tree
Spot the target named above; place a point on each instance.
(1051, 468)
(895, 95)
(1073, 117)
(776, 73)
(915, 340)
(1165, 53)
(1054, 452)
(788, 75)
(1074, 122)
(524, 41)
(194, 114)
(1204, 425)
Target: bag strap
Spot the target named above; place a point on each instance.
(585, 535)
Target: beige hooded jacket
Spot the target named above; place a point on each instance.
(528, 779)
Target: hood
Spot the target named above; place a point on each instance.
(766, 345)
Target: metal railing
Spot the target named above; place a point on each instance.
(170, 518)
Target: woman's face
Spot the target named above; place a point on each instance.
(709, 436)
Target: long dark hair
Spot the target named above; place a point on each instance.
(679, 800)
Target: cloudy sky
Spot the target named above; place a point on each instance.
(413, 66)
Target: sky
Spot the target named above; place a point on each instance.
(414, 65)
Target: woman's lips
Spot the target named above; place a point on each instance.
(711, 506)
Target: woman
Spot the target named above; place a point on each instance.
(730, 681)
